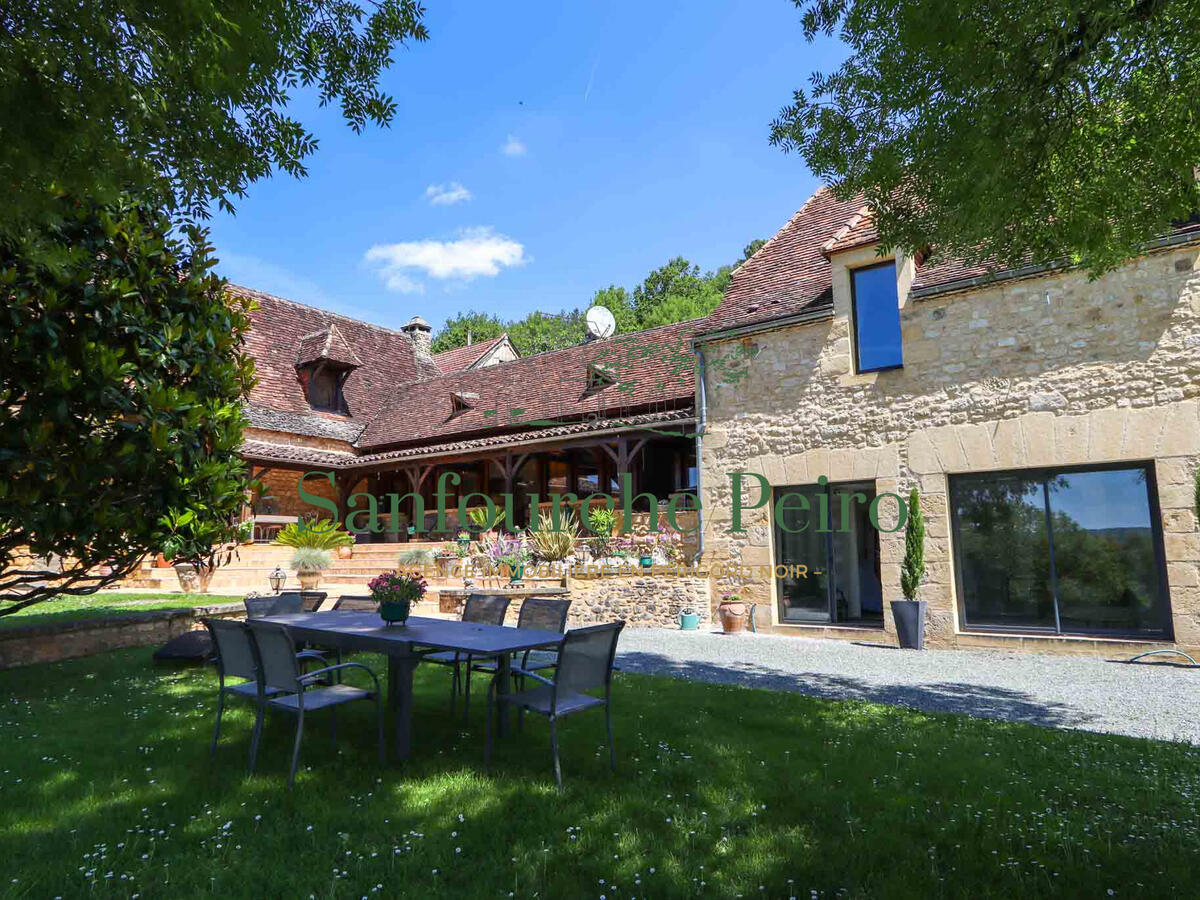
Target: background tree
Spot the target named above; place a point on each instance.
(751, 248)
(539, 331)
(1061, 130)
(187, 98)
(120, 398)
(467, 327)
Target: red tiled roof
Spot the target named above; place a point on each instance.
(859, 231)
(655, 370)
(280, 326)
(460, 358)
(789, 275)
(326, 345)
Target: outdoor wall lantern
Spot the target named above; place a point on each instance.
(277, 578)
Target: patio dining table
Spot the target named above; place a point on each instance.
(405, 645)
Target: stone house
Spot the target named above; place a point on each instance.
(1051, 424)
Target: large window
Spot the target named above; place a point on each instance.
(1064, 551)
(840, 551)
(876, 318)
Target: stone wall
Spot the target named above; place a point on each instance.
(641, 600)
(25, 645)
(1045, 371)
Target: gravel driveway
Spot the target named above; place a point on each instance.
(1157, 701)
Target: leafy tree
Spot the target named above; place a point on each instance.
(120, 399)
(1059, 129)
(467, 327)
(912, 568)
(189, 98)
(679, 284)
(539, 332)
(751, 248)
(617, 301)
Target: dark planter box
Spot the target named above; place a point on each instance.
(910, 623)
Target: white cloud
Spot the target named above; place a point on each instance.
(514, 146)
(476, 252)
(447, 195)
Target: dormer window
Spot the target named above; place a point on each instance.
(600, 377)
(461, 401)
(875, 309)
(324, 389)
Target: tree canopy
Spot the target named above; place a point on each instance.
(674, 292)
(1007, 131)
(187, 99)
(120, 399)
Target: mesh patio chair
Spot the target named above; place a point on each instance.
(356, 603)
(543, 614)
(236, 659)
(282, 603)
(483, 609)
(585, 665)
(298, 693)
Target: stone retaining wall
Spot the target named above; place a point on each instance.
(53, 641)
(641, 600)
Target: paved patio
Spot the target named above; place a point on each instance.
(1156, 701)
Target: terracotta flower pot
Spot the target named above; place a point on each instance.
(346, 551)
(161, 562)
(309, 580)
(733, 615)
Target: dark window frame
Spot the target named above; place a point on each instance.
(858, 369)
(1043, 473)
(339, 377)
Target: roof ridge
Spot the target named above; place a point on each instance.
(241, 288)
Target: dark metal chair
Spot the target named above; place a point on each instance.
(236, 658)
(483, 609)
(356, 603)
(585, 663)
(282, 603)
(543, 614)
(296, 691)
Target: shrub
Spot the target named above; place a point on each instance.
(311, 559)
(550, 545)
(601, 523)
(416, 557)
(322, 534)
(913, 567)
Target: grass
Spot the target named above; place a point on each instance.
(107, 604)
(106, 789)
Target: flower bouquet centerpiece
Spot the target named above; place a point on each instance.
(396, 592)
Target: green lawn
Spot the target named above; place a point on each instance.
(106, 789)
(108, 604)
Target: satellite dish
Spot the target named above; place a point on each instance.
(600, 323)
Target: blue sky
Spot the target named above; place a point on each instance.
(595, 141)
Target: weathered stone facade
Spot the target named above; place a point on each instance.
(641, 600)
(1043, 371)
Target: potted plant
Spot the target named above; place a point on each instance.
(510, 554)
(463, 539)
(645, 545)
(601, 523)
(309, 563)
(245, 531)
(396, 592)
(478, 518)
(689, 619)
(909, 613)
(318, 534)
(196, 545)
(550, 545)
(443, 556)
(733, 613)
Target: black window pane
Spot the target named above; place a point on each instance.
(1003, 551)
(876, 318)
(802, 598)
(1104, 553)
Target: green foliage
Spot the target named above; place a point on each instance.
(912, 569)
(187, 99)
(324, 534)
(674, 292)
(120, 397)
(551, 545)
(478, 518)
(478, 326)
(601, 522)
(420, 556)
(751, 248)
(1058, 129)
(311, 559)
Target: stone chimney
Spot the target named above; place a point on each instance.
(420, 333)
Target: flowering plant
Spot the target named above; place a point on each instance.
(509, 551)
(397, 587)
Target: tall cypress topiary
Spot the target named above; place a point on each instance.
(913, 567)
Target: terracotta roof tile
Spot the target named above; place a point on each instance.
(789, 275)
(655, 370)
(460, 358)
(326, 345)
(859, 231)
(278, 328)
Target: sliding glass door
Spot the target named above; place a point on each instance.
(1064, 551)
(839, 551)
